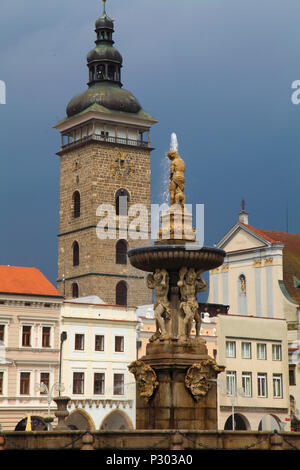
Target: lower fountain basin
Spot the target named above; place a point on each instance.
(172, 257)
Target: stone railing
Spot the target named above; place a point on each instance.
(153, 440)
(107, 139)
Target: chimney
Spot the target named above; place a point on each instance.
(243, 215)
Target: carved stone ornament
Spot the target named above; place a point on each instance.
(145, 378)
(199, 375)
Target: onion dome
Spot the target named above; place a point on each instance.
(104, 63)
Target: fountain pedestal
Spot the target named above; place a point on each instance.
(173, 405)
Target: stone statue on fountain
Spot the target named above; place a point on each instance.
(190, 283)
(159, 281)
(177, 179)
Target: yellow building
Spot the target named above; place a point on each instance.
(258, 282)
(100, 344)
(254, 387)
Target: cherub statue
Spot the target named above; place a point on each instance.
(159, 281)
(177, 179)
(190, 283)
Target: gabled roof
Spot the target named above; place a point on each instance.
(27, 281)
(291, 254)
(268, 235)
(291, 258)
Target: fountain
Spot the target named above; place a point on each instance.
(176, 379)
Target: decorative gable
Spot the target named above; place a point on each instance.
(241, 238)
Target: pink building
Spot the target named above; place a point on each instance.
(29, 345)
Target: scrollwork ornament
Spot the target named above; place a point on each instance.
(198, 377)
(145, 377)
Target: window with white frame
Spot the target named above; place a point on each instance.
(46, 336)
(26, 335)
(231, 383)
(78, 383)
(247, 383)
(262, 390)
(277, 385)
(230, 349)
(261, 351)
(119, 343)
(2, 334)
(24, 383)
(276, 352)
(99, 383)
(45, 379)
(118, 384)
(99, 342)
(246, 350)
(79, 342)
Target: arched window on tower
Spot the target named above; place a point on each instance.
(101, 72)
(92, 73)
(121, 293)
(75, 254)
(122, 200)
(76, 204)
(121, 252)
(111, 72)
(75, 290)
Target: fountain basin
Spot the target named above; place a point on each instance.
(172, 257)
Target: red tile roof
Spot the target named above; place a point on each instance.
(291, 256)
(30, 281)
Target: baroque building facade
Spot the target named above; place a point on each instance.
(100, 344)
(104, 182)
(29, 347)
(258, 281)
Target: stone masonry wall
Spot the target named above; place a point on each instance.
(87, 169)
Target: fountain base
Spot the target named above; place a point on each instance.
(185, 396)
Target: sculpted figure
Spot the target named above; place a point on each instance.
(159, 281)
(177, 179)
(198, 378)
(190, 283)
(196, 382)
(145, 378)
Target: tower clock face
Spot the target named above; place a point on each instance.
(122, 166)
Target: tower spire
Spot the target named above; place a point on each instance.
(104, 5)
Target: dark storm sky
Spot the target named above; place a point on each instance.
(216, 72)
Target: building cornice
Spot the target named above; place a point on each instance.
(78, 276)
(112, 118)
(37, 319)
(254, 409)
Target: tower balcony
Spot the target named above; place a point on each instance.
(107, 139)
(82, 135)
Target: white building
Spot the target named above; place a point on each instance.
(100, 344)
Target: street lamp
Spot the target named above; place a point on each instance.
(42, 387)
(63, 338)
(234, 393)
